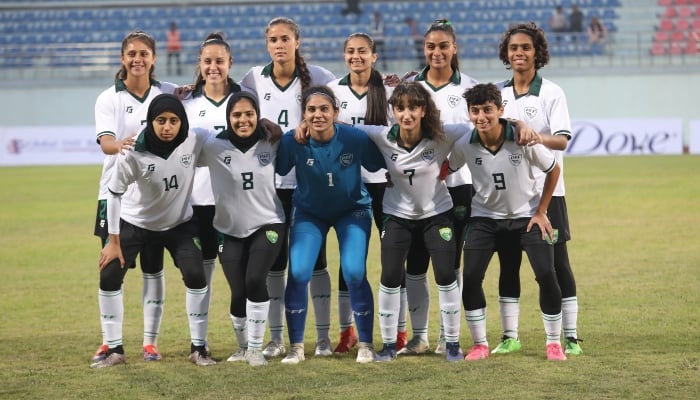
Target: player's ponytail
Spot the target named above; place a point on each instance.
(214, 38)
(299, 62)
(146, 39)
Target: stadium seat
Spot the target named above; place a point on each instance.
(666, 24)
(670, 12)
(665, 2)
(675, 48)
(662, 36)
(683, 25)
(658, 49)
(691, 47)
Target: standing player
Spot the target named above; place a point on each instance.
(362, 99)
(446, 84)
(206, 109)
(120, 113)
(242, 166)
(330, 193)
(416, 210)
(161, 170)
(542, 105)
(507, 202)
(279, 85)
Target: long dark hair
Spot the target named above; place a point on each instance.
(377, 104)
(299, 62)
(146, 39)
(415, 94)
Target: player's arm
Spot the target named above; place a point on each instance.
(112, 249)
(540, 218)
(110, 145)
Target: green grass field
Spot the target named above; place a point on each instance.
(635, 223)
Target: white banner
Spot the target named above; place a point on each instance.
(600, 137)
(49, 145)
(694, 145)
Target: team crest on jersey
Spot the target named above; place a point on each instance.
(516, 158)
(531, 112)
(445, 234)
(186, 160)
(453, 100)
(264, 158)
(346, 159)
(428, 155)
(271, 236)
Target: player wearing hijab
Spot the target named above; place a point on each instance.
(242, 166)
(541, 104)
(120, 112)
(329, 194)
(446, 84)
(279, 85)
(161, 169)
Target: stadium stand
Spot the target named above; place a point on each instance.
(678, 30)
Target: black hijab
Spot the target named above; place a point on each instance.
(243, 143)
(160, 104)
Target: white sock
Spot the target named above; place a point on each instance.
(344, 310)
(569, 316)
(197, 315)
(510, 313)
(450, 306)
(458, 274)
(209, 267)
(552, 327)
(389, 299)
(403, 307)
(321, 299)
(111, 316)
(153, 300)
(239, 329)
(257, 320)
(276, 281)
(476, 321)
(418, 299)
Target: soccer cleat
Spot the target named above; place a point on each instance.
(274, 349)
(388, 353)
(239, 355)
(295, 355)
(507, 345)
(440, 349)
(109, 361)
(255, 357)
(478, 352)
(414, 346)
(201, 358)
(555, 353)
(323, 348)
(101, 353)
(572, 347)
(150, 353)
(401, 340)
(454, 353)
(365, 353)
(348, 339)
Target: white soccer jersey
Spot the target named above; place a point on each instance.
(503, 181)
(416, 191)
(282, 105)
(244, 185)
(543, 109)
(352, 109)
(121, 114)
(164, 186)
(453, 110)
(204, 113)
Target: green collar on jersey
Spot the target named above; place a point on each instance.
(120, 86)
(508, 132)
(233, 87)
(456, 77)
(393, 134)
(535, 86)
(345, 81)
(267, 71)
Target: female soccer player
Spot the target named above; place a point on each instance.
(541, 104)
(279, 85)
(206, 109)
(119, 114)
(417, 209)
(242, 166)
(363, 96)
(161, 170)
(329, 194)
(446, 84)
(507, 202)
